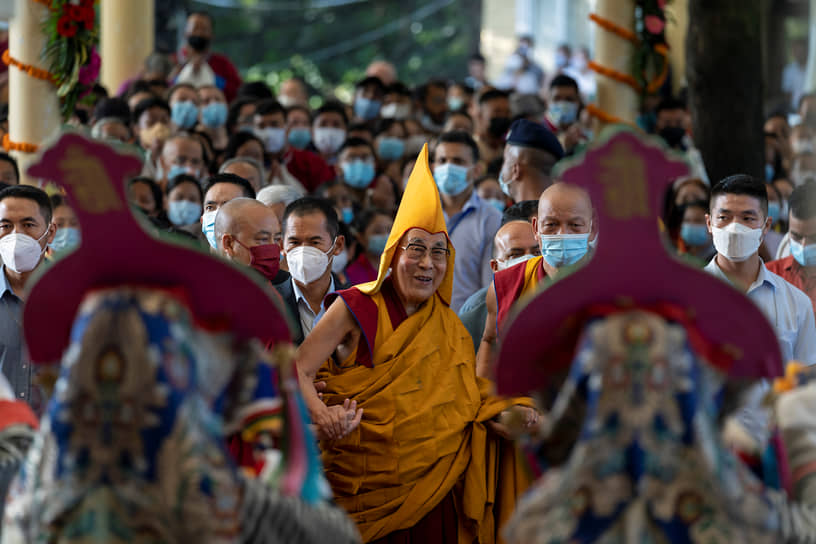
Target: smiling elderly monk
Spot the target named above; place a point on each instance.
(406, 419)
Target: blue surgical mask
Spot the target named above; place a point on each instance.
(451, 179)
(366, 109)
(66, 238)
(348, 215)
(376, 243)
(497, 203)
(176, 170)
(358, 173)
(564, 249)
(390, 149)
(184, 114)
(774, 211)
(208, 227)
(769, 172)
(299, 138)
(214, 115)
(805, 255)
(183, 212)
(695, 234)
(563, 112)
(455, 103)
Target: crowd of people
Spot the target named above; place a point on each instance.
(318, 203)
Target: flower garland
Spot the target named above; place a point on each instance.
(72, 35)
(650, 63)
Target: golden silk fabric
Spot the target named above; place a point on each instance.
(422, 434)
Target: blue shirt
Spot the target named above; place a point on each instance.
(13, 360)
(471, 232)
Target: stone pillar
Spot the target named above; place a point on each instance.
(810, 73)
(612, 51)
(676, 30)
(126, 38)
(34, 113)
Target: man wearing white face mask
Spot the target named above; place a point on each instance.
(25, 232)
(472, 222)
(329, 129)
(311, 240)
(738, 222)
(565, 231)
(298, 167)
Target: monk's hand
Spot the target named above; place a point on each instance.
(353, 414)
(515, 421)
(332, 421)
(320, 387)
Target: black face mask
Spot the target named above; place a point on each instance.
(673, 136)
(198, 43)
(498, 127)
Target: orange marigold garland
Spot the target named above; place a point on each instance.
(32, 71)
(25, 147)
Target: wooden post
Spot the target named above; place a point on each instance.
(34, 113)
(612, 51)
(127, 36)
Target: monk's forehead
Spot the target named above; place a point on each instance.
(423, 236)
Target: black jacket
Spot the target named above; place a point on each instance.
(287, 293)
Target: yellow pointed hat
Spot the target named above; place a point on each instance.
(420, 208)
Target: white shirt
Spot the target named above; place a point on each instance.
(790, 312)
(787, 308)
(308, 318)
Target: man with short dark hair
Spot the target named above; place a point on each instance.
(220, 189)
(329, 130)
(357, 162)
(151, 126)
(432, 98)
(529, 156)
(198, 65)
(471, 222)
(26, 230)
(311, 240)
(799, 269)
(563, 110)
(738, 221)
(368, 98)
(398, 102)
(492, 123)
(181, 154)
(671, 121)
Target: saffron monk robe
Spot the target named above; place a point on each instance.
(405, 424)
(566, 231)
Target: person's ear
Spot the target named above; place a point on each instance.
(535, 227)
(226, 245)
(515, 171)
(767, 227)
(494, 265)
(708, 223)
(339, 245)
(52, 232)
(477, 170)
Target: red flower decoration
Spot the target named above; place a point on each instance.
(654, 24)
(75, 12)
(88, 17)
(661, 4)
(66, 27)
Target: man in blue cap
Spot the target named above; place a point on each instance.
(529, 155)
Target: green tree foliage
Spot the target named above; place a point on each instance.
(329, 43)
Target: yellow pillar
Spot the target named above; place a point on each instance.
(34, 112)
(676, 31)
(127, 33)
(612, 51)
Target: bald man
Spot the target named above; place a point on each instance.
(249, 233)
(564, 230)
(514, 243)
(181, 154)
(246, 167)
(383, 70)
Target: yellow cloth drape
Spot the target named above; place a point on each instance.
(422, 433)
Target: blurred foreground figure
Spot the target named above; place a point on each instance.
(162, 393)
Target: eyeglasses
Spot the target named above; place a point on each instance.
(417, 252)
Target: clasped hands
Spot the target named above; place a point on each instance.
(335, 422)
(515, 421)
